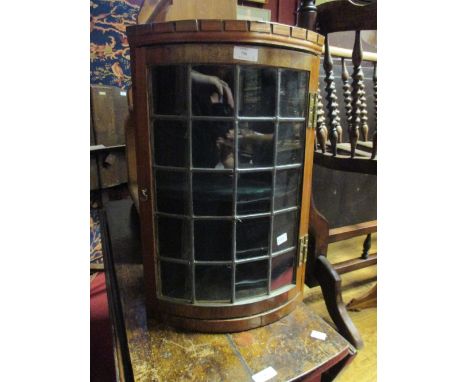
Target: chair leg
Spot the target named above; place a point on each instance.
(366, 246)
(330, 283)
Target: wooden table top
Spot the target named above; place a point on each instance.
(159, 352)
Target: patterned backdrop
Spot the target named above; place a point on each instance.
(110, 53)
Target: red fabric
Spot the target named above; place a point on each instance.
(102, 356)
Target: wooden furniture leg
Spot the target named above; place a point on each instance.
(368, 300)
(330, 283)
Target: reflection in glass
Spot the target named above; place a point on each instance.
(256, 141)
(213, 90)
(212, 194)
(170, 143)
(252, 237)
(174, 238)
(213, 282)
(213, 240)
(290, 142)
(254, 192)
(284, 231)
(293, 92)
(251, 279)
(213, 144)
(169, 90)
(258, 92)
(175, 280)
(282, 270)
(287, 188)
(172, 192)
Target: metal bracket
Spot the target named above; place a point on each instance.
(303, 245)
(312, 120)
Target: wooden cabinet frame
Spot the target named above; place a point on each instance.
(192, 42)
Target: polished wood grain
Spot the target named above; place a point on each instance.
(248, 32)
(347, 232)
(356, 94)
(321, 128)
(336, 132)
(343, 15)
(330, 283)
(355, 264)
(191, 41)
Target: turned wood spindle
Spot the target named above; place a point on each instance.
(356, 93)
(346, 93)
(321, 128)
(363, 108)
(366, 246)
(374, 138)
(336, 131)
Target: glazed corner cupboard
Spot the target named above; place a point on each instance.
(223, 126)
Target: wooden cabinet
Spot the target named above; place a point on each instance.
(223, 114)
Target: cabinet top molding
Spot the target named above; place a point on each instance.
(225, 31)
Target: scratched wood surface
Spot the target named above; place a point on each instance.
(159, 352)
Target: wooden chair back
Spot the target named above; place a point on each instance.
(338, 16)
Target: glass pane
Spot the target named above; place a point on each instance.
(252, 279)
(256, 141)
(282, 270)
(290, 142)
(213, 282)
(169, 90)
(284, 231)
(212, 194)
(175, 280)
(170, 143)
(254, 192)
(172, 192)
(293, 93)
(287, 188)
(174, 238)
(252, 237)
(213, 90)
(212, 144)
(257, 92)
(213, 240)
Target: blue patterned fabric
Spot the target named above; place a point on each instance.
(95, 238)
(109, 50)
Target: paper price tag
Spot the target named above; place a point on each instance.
(264, 375)
(123, 93)
(283, 238)
(102, 93)
(245, 54)
(318, 335)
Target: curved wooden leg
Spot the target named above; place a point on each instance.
(330, 283)
(368, 300)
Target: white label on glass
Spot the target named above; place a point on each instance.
(123, 94)
(245, 54)
(318, 335)
(102, 93)
(283, 238)
(264, 375)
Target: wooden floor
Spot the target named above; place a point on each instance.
(355, 284)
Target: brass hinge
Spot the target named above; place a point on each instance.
(304, 245)
(312, 111)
